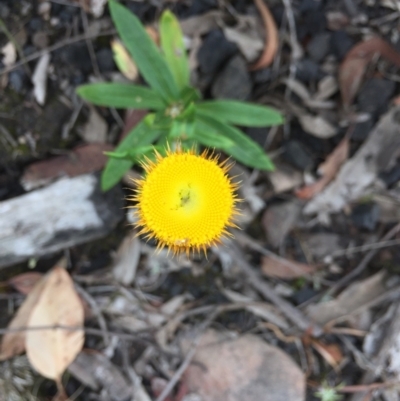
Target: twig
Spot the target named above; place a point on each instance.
(56, 46)
(362, 265)
(268, 292)
(96, 310)
(189, 356)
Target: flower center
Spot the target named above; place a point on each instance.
(187, 198)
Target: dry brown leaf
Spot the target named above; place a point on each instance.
(275, 266)
(352, 69)
(271, 37)
(330, 352)
(13, 343)
(328, 169)
(51, 351)
(124, 60)
(25, 282)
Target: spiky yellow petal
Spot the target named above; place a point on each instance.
(185, 201)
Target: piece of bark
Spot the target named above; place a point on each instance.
(69, 212)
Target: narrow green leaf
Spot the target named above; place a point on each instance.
(240, 113)
(145, 53)
(174, 49)
(181, 130)
(210, 138)
(243, 148)
(121, 96)
(142, 135)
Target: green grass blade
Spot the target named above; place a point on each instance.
(144, 52)
(174, 49)
(240, 113)
(121, 96)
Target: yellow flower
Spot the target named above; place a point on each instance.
(186, 201)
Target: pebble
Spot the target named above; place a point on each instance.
(298, 155)
(341, 43)
(105, 60)
(362, 130)
(308, 70)
(18, 79)
(233, 82)
(374, 96)
(366, 216)
(40, 39)
(319, 46)
(392, 176)
(214, 52)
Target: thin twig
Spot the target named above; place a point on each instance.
(96, 310)
(268, 292)
(189, 356)
(56, 46)
(362, 265)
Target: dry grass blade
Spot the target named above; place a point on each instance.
(352, 69)
(50, 351)
(271, 37)
(329, 169)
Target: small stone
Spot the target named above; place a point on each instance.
(307, 70)
(374, 96)
(341, 43)
(298, 155)
(40, 39)
(366, 216)
(362, 130)
(233, 82)
(105, 60)
(18, 79)
(214, 52)
(392, 176)
(318, 47)
(258, 134)
(35, 24)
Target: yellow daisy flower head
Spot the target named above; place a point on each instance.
(185, 201)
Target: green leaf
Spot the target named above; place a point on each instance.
(243, 148)
(121, 96)
(142, 135)
(211, 139)
(174, 49)
(240, 113)
(181, 130)
(145, 53)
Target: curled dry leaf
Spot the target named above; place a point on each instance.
(275, 266)
(330, 352)
(328, 169)
(50, 351)
(271, 37)
(353, 67)
(25, 282)
(13, 342)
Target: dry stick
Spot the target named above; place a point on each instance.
(56, 46)
(189, 356)
(363, 264)
(268, 292)
(96, 310)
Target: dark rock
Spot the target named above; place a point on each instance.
(307, 70)
(374, 96)
(319, 46)
(298, 155)
(309, 5)
(233, 82)
(105, 60)
(196, 7)
(214, 52)
(144, 10)
(35, 24)
(258, 134)
(28, 50)
(263, 75)
(365, 216)
(67, 13)
(18, 80)
(341, 43)
(392, 176)
(77, 56)
(362, 130)
(303, 295)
